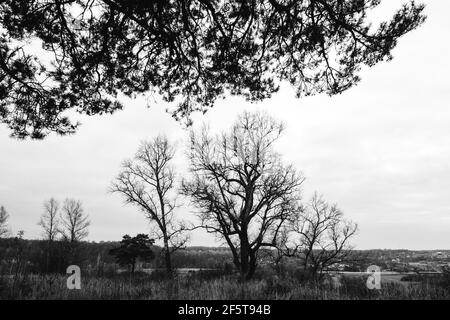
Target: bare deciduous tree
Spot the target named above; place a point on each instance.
(4, 216)
(148, 182)
(319, 235)
(50, 225)
(49, 220)
(243, 191)
(74, 222)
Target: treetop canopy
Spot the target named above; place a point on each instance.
(191, 52)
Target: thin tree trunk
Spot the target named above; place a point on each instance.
(47, 258)
(133, 266)
(167, 257)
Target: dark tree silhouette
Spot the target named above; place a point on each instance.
(148, 181)
(133, 248)
(49, 223)
(49, 220)
(244, 192)
(191, 52)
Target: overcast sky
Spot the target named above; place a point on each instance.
(381, 150)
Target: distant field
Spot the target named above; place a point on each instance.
(386, 277)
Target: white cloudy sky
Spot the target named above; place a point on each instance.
(380, 150)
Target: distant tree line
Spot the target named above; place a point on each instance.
(63, 228)
(24, 256)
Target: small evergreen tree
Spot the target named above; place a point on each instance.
(132, 249)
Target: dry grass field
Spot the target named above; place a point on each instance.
(204, 286)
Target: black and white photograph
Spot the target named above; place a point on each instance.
(245, 152)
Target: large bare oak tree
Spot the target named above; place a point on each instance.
(243, 191)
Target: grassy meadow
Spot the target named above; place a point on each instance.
(207, 286)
